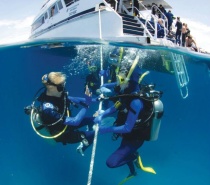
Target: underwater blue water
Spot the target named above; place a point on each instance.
(179, 156)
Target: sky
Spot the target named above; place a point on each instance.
(17, 16)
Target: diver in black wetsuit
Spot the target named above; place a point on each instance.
(53, 112)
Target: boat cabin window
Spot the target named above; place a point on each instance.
(38, 23)
(53, 10)
(60, 6)
(69, 2)
(45, 15)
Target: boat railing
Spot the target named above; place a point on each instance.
(144, 25)
(163, 17)
(125, 10)
(109, 5)
(149, 19)
(116, 5)
(153, 27)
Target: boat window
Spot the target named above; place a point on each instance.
(46, 15)
(60, 6)
(69, 2)
(38, 23)
(53, 10)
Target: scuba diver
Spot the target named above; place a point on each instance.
(138, 120)
(52, 112)
(114, 61)
(92, 79)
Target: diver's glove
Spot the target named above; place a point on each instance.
(88, 97)
(98, 119)
(28, 109)
(98, 116)
(101, 97)
(88, 100)
(106, 91)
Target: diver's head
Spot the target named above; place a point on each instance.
(114, 56)
(54, 81)
(128, 79)
(92, 67)
(121, 77)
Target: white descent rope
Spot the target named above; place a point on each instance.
(96, 130)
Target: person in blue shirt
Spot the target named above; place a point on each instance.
(53, 115)
(170, 18)
(160, 29)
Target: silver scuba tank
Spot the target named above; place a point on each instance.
(156, 121)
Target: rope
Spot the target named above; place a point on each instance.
(96, 130)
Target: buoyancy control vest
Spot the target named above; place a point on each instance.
(50, 114)
(149, 119)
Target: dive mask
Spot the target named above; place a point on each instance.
(92, 68)
(121, 79)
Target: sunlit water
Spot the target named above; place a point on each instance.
(179, 156)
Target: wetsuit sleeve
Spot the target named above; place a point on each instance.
(81, 101)
(136, 106)
(75, 121)
(109, 85)
(106, 113)
(76, 99)
(49, 113)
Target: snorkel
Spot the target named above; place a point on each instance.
(123, 80)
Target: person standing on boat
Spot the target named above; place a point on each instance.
(153, 11)
(178, 31)
(170, 18)
(183, 34)
(161, 11)
(53, 115)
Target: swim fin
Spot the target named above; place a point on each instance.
(139, 164)
(126, 179)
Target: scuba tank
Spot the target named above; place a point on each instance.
(155, 122)
(152, 97)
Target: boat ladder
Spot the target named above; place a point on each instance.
(181, 74)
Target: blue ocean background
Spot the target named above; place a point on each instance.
(179, 156)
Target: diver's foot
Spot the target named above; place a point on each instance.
(85, 142)
(136, 161)
(132, 174)
(80, 149)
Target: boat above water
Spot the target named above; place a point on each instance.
(115, 20)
